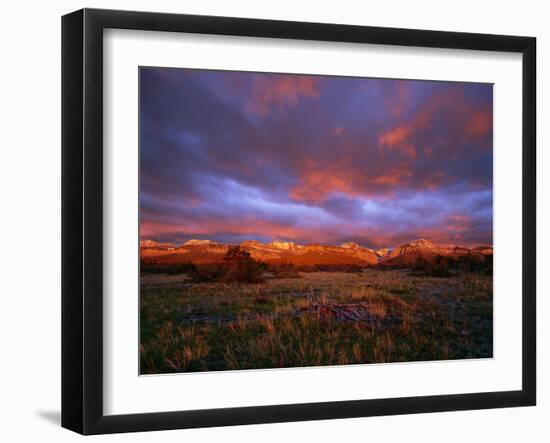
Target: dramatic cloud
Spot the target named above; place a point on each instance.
(231, 156)
(270, 90)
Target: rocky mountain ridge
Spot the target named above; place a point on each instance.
(207, 251)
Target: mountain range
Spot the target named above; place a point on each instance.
(207, 251)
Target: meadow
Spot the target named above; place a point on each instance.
(296, 319)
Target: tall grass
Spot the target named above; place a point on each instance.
(188, 326)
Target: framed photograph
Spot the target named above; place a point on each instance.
(269, 221)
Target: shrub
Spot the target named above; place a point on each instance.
(476, 264)
(160, 268)
(440, 266)
(242, 268)
(488, 264)
(421, 265)
(285, 270)
(335, 267)
(208, 273)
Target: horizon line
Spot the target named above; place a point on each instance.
(465, 245)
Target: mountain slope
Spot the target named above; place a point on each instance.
(207, 251)
(408, 254)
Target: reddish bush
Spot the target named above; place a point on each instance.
(242, 268)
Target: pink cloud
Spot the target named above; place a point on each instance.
(280, 90)
(316, 184)
(401, 98)
(480, 124)
(251, 227)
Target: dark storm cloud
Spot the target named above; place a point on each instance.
(232, 156)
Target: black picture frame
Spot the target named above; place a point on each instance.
(82, 218)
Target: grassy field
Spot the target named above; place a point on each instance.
(320, 318)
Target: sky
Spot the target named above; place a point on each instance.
(232, 156)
